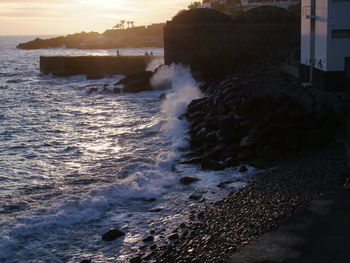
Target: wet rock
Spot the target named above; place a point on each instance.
(173, 237)
(243, 169)
(136, 259)
(191, 160)
(231, 162)
(188, 180)
(91, 90)
(85, 261)
(163, 96)
(112, 234)
(223, 184)
(209, 164)
(196, 196)
(247, 141)
(197, 105)
(148, 256)
(137, 82)
(148, 239)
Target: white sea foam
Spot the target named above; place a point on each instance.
(155, 63)
(184, 89)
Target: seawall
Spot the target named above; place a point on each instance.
(211, 42)
(92, 66)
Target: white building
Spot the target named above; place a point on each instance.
(325, 43)
(250, 4)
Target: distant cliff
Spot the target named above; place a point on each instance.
(150, 36)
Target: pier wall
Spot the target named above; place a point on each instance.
(92, 66)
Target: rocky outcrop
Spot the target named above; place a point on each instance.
(260, 115)
(112, 234)
(136, 82)
(150, 36)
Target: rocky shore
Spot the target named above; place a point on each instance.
(261, 117)
(223, 228)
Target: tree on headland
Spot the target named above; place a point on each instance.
(122, 23)
(132, 23)
(194, 5)
(117, 26)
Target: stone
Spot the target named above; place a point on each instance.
(137, 82)
(173, 237)
(148, 239)
(243, 169)
(231, 162)
(188, 180)
(85, 261)
(112, 234)
(197, 105)
(136, 259)
(247, 142)
(196, 196)
(209, 164)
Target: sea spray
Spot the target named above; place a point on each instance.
(155, 63)
(184, 89)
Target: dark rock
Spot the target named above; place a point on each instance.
(85, 261)
(112, 234)
(231, 162)
(136, 259)
(91, 90)
(209, 164)
(153, 247)
(148, 239)
(137, 82)
(196, 196)
(188, 180)
(148, 256)
(243, 169)
(173, 237)
(246, 154)
(247, 141)
(223, 184)
(156, 210)
(197, 105)
(190, 160)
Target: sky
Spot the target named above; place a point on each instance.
(60, 17)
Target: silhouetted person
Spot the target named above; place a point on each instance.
(146, 54)
(151, 54)
(118, 53)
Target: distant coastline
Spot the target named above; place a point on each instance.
(142, 36)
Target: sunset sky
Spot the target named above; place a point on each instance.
(42, 17)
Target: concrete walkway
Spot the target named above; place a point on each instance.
(320, 233)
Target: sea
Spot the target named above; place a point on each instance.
(76, 163)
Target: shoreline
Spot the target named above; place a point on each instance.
(225, 227)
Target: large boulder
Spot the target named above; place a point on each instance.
(137, 82)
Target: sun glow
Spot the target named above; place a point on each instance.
(33, 17)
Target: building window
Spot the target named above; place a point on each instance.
(341, 33)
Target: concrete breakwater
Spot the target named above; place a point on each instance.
(92, 66)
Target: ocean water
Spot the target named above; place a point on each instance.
(74, 164)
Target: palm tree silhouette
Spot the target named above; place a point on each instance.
(122, 23)
(132, 23)
(128, 22)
